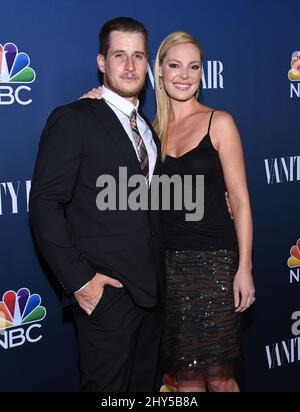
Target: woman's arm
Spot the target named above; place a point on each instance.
(226, 139)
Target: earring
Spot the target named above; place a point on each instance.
(160, 82)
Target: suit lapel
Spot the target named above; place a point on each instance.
(115, 129)
(110, 121)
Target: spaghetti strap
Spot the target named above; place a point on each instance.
(210, 121)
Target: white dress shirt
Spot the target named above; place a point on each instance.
(123, 108)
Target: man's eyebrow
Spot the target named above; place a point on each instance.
(124, 51)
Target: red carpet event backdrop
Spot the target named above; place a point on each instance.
(251, 68)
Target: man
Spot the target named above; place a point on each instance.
(107, 261)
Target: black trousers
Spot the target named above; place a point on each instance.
(118, 344)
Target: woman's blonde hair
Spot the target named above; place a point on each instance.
(162, 117)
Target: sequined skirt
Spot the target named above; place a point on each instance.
(201, 332)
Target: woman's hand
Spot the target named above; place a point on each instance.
(93, 94)
(243, 289)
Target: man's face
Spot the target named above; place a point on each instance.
(125, 66)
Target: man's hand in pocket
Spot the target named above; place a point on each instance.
(89, 296)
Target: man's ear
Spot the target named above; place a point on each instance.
(101, 62)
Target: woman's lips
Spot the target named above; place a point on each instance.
(182, 86)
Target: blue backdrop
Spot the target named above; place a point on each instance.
(249, 48)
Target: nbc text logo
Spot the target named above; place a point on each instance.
(17, 311)
(294, 262)
(14, 69)
(294, 74)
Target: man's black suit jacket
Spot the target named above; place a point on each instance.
(80, 142)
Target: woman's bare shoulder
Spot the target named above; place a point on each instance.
(220, 116)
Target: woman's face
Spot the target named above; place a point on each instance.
(181, 71)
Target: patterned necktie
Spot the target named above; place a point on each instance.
(141, 148)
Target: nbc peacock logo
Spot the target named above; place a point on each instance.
(14, 66)
(20, 314)
(294, 259)
(293, 263)
(169, 384)
(294, 74)
(14, 69)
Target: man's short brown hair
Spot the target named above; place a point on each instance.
(124, 24)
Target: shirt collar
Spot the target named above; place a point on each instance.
(119, 102)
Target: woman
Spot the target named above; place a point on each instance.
(208, 262)
(209, 280)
